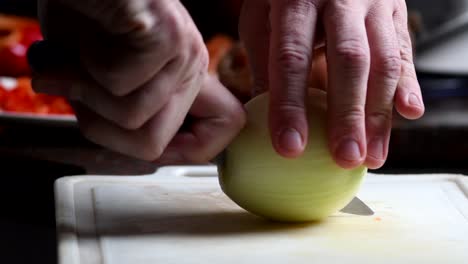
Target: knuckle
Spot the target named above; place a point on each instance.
(152, 150)
(293, 60)
(343, 4)
(389, 67)
(131, 119)
(175, 30)
(113, 84)
(129, 114)
(408, 70)
(379, 119)
(192, 80)
(335, 10)
(301, 7)
(291, 107)
(349, 117)
(115, 10)
(237, 118)
(406, 53)
(204, 59)
(233, 120)
(353, 53)
(199, 54)
(195, 45)
(142, 105)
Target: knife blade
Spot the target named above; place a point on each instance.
(357, 207)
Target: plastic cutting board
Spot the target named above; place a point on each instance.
(179, 215)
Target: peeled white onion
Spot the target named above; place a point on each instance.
(307, 188)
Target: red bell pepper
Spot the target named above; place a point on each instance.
(16, 35)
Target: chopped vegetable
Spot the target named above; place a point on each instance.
(16, 35)
(21, 98)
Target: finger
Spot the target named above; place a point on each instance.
(118, 17)
(255, 35)
(71, 26)
(292, 37)
(218, 118)
(148, 142)
(349, 59)
(408, 101)
(129, 112)
(122, 64)
(383, 79)
(133, 110)
(117, 45)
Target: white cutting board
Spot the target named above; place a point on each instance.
(179, 215)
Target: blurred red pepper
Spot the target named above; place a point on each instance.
(31, 34)
(16, 35)
(21, 98)
(13, 60)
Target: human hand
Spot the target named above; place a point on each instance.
(370, 71)
(134, 70)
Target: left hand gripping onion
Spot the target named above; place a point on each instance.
(307, 188)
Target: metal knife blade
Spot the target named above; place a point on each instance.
(357, 207)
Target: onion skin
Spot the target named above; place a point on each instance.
(308, 188)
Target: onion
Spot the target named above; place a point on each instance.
(307, 188)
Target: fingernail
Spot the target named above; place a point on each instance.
(375, 148)
(349, 150)
(413, 100)
(290, 140)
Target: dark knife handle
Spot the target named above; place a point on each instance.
(47, 56)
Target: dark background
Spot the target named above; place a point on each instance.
(27, 219)
(212, 16)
